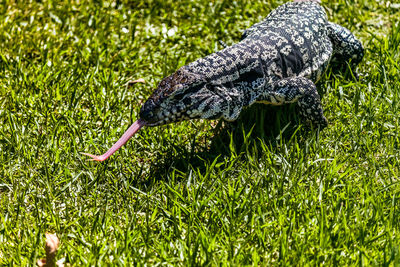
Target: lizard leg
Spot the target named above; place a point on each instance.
(346, 47)
(300, 90)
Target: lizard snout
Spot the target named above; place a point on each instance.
(146, 112)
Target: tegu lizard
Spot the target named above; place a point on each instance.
(277, 61)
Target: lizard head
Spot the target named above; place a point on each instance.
(181, 96)
(176, 98)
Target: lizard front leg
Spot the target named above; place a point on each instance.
(300, 90)
(346, 47)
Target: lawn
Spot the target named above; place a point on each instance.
(261, 191)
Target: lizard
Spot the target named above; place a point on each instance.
(277, 61)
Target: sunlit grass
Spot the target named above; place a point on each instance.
(260, 191)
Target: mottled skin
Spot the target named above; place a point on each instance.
(277, 61)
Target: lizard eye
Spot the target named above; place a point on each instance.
(176, 90)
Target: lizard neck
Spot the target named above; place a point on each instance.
(237, 73)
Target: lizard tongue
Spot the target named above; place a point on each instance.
(124, 138)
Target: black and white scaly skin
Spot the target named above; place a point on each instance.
(277, 61)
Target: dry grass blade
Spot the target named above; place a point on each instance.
(130, 83)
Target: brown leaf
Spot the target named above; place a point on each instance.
(51, 247)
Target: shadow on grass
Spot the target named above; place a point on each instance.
(259, 123)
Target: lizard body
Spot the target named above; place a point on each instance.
(278, 61)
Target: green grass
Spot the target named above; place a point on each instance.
(261, 191)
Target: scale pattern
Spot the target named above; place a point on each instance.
(277, 61)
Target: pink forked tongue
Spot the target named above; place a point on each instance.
(124, 138)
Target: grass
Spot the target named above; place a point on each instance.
(261, 191)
